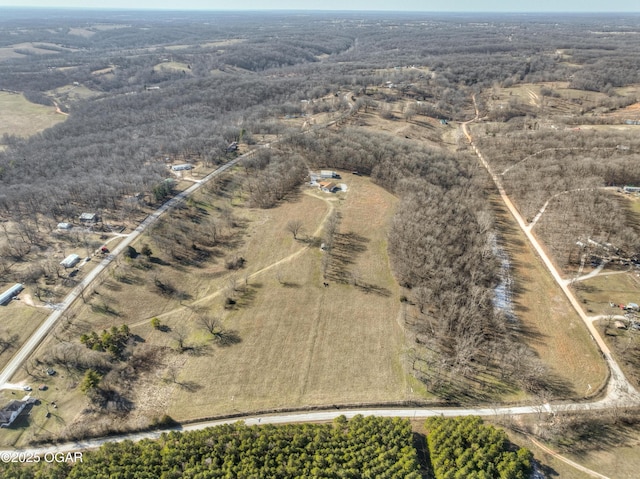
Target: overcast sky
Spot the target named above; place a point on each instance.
(406, 5)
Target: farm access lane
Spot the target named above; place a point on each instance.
(619, 387)
(37, 337)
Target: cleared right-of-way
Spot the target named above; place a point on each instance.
(619, 388)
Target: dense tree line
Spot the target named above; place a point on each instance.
(361, 447)
(465, 448)
(112, 145)
(442, 249)
(271, 176)
(539, 168)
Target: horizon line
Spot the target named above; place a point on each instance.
(283, 10)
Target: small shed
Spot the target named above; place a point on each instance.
(12, 292)
(632, 307)
(70, 261)
(65, 226)
(88, 217)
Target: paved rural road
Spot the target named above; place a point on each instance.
(619, 394)
(321, 416)
(36, 338)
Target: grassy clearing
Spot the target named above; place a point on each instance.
(33, 423)
(617, 459)
(294, 341)
(71, 93)
(607, 442)
(616, 287)
(19, 321)
(173, 67)
(548, 323)
(23, 118)
(303, 343)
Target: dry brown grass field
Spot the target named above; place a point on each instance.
(619, 287)
(303, 343)
(548, 323)
(19, 321)
(298, 344)
(23, 118)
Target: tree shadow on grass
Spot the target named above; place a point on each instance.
(227, 338)
(197, 350)
(159, 261)
(373, 289)
(190, 386)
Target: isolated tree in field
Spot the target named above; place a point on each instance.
(179, 334)
(294, 227)
(146, 250)
(211, 324)
(155, 323)
(7, 342)
(90, 381)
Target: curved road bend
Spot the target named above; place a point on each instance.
(620, 392)
(36, 338)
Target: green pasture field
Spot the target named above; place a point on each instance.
(22, 118)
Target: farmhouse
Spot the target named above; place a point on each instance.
(11, 411)
(88, 217)
(183, 166)
(8, 295)
(70, 261)
(232, 147)
(328, 186)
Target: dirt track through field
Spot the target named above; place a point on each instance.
(619, 387)
(253, 275)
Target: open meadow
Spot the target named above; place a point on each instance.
(546, 321)
(20, 117)
(289, 341)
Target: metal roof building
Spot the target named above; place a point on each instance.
(87, 217)
(70, 261)
(8, 295)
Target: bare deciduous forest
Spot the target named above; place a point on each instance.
(555, 101)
